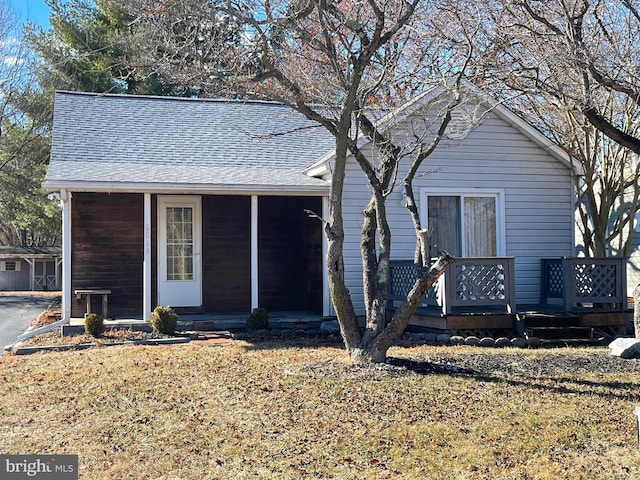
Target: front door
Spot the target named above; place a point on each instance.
(179, 248)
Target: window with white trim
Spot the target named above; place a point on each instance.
(10, 265)
(466, 224)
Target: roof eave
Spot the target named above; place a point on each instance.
(183, 188)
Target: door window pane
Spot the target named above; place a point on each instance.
(444, 225)
(179, 243)
(480, 226)
(462, 225)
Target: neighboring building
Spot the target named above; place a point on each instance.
(633, 266)
(202, 204)
(30, 268)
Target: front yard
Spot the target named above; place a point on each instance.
(291, 410)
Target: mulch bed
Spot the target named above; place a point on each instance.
(487, 362)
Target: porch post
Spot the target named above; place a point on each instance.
(65, 200)
(254, 252)
(146, 264)
(58, 262)
(32, 272)
(326, 298)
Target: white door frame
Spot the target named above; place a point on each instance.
(497, 193)
(180, 293)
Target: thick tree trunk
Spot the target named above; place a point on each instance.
(340, 295)
(375, 349)
(334, 230)
(375, 262)
(636, 312)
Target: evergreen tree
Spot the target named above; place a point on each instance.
(91, 46)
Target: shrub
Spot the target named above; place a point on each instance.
(94, 324)
(164, 320)
(258, 319)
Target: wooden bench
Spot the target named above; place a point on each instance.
(95, 291)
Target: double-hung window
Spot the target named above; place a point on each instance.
(467, 224)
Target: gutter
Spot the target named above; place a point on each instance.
(320, 189)
(32, 333)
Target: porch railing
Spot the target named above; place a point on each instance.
(583, 282)
(468, 283)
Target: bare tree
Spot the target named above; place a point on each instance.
(572, 67)
(570, 52)
(338, 63)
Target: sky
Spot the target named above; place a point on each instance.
(33, 10)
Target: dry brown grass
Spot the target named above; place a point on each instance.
(292, 410)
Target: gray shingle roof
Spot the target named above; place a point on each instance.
(217, 144)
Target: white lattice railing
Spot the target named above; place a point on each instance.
(468, 283)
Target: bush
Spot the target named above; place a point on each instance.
(94, 324)
(258, 319)
(164, 320)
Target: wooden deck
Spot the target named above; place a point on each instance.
(477, 295)
(527, 320)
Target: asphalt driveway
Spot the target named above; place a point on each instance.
(17, 311)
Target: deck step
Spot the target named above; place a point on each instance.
(548, 320)
(572, 342)
(559, 332)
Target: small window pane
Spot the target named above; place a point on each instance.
(444, 225)
(179, 243)
(480, 227)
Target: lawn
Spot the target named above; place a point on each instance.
(291, 410)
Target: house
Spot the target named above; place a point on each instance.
(197, 204)
(30, 268)
(204, 204)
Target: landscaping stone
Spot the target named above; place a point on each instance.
(68, 330)
(519, 342)
(472, 340)
(161, 341)
(417, 337)
(626, 348)
(330, 326)
(456, 340)
(443, 339)
(502, 342)
(203, 325)
(487, 342)
(431, 338)
(534, 342)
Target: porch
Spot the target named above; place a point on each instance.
(580, 298)
(209, 253)
(215, 322)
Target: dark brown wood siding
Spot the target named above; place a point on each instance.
(107, 250)
(226, 253)
(289, 254)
